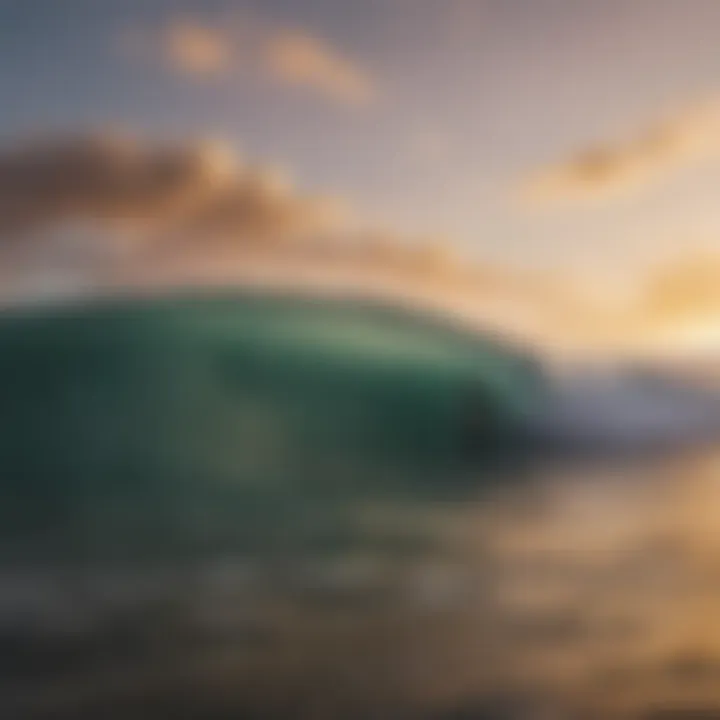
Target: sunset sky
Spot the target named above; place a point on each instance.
(576, 136)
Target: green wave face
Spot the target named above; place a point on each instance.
(229, 422)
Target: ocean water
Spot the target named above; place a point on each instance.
(567, 590)
(207, 516)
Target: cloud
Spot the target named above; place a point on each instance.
(677, 309)
(104, 211)
(298, 59)
(198, 192)
(687, 287)
(107, 208)
(289, 57)
(616, 168)
(185, 197)
(195, 49)
(669, 313)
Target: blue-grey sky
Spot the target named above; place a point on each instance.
(464, 100)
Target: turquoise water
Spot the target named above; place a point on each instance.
(180, 426)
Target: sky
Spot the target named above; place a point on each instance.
(575, 137)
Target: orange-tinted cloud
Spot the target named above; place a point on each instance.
(647, 157)
(289, 57)
(297, 59)
(670, 312)
(195, 49)
(687, 287)
(678, 306)
(201, 189)
(163, 211)
(99, 210)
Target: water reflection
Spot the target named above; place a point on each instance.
(579, 592)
